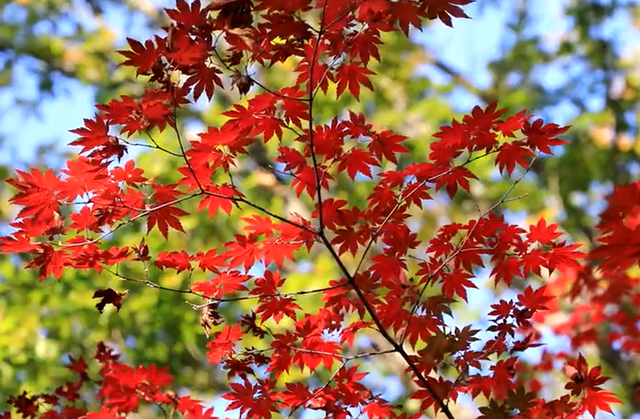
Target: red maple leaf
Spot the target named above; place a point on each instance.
(276, 308)
(387, 144)
(259, 225)
(533, 261)
(317, 351)
(456, 283)
(445, 10)
(408, 14)
(165, 214)
(18, 243)
(49, 260)
(595, 400)
(218, 198)
(543, 234)
(535, 300)
(255, 401)
(351, 76)
(128, 174)
(222, 284)
(79, 366)
(204, 80)
(95, 134)
(357, 161)
(222, 343)
(141, 56)
(188, 15)
(512, 124)
(506, 270)
(377, 410)
(457, 176)
(180, 261)
(542, 136)
(37, 194)
(510, 154)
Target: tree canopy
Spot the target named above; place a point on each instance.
(292, 170)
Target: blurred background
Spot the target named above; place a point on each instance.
(570, 62)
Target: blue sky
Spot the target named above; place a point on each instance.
(467, 48)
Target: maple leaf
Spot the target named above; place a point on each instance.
(565, 255)
(222, 343)
(269, 127)
(254, 401)
(317, 351)
(204, 80)
(510, 154)
(542, 136)
(533, 261)
(377, 410)
(37, 194)
(480, 384)
(321, 75)
(17, 243)
(305, 180)
(165, 215)
(421, 327)
(180, 261)
(445, 10)
(79, 366)
(440, 388)
(218, 198)
(277, 308)
(595, 400)
(295, 395)
(193, 409)
(95, 134)
(494, 410)
(268, 284)
(582, 377)
(277, 251)
(387, 144)
(128, 173)
(503, 374)
(456, 283)
(256, 224)
(454, 177)
(196, 412)
(408, 14)
(348, 239)
(141, 56)
(328, 140)
(357, 161)
(512, 124)
(535, 300)
(506, 269)
(109, 296)
(221, 285)
(543, 234)
(294, 109)
(69, 391)
(364, 46)
(104, 413)
(187, 15)
(49, 260)
(351, 76)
